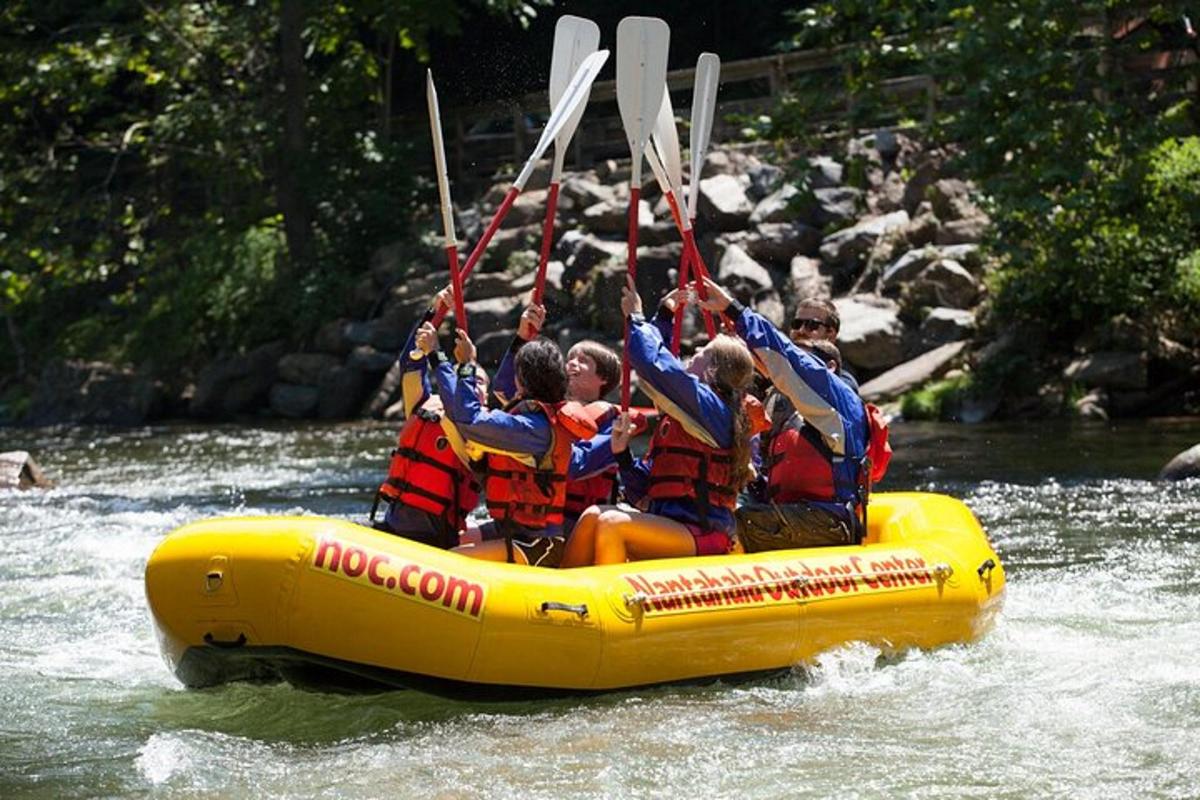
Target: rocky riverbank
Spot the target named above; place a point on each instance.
(883, 228)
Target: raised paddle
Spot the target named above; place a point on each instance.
(642, 45)
(704, 104)
(575, 38)
(443, 181)
(575, 94)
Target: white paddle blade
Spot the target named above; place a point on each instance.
(575, 38)
(642, 46)
(439, 158)
(574, 96)
(704, 105)
(666, 141)
(656, 167)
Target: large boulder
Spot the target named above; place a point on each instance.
(1109, 369)
(294, 401)
(724, 204)
(613, 217)
(942, 325)
(764, 179)
(585, 191)
(905, 269)
(824, 172)
(968, 230)
(18, 470)
(872, 335)
(341, 393)
(365, 358)
(1184, 465)
(306, 369)
(528, 209)
(942, 283)
(779, 242)
(911, 374)
(92, 393)
(237, 384)
(807, 277)
(493, 314)
(781, 205)
(835, 206)
(741, 274)
(847, 249)
(951, 199)
(590, 252)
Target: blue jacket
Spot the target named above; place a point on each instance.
(820, 396)
(686, 399)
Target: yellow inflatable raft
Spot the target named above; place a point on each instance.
(312, 599)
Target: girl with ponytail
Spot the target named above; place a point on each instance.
(699, 457)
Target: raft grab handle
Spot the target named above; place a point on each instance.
(985, 569)
(240, 641)
(550, 605)
(639, 600)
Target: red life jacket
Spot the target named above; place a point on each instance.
(425, 472)
(535, 496)
(879, 451)
(598, 490)
(683, 466)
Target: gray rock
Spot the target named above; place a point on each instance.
(506, 242)
(944, 325)
(331, 338)
(887, 144)
(921, 230)
(911, 374)
(528, 209)
(777, 206)
(341, 393)
(724, 204)
(950, 198)
(770, 306)
(236, 385)
(587, 192)
(501, 284)
(942, 283)
(836, 206)
(824, 172)
(469, 223)
(590, 253)
(847, 249)
(1092, 405)
(970, 230)
(294, 401)
(92, 393)
(807, 278)
(365, 358)
(306, 368)
(723, 162)
(764, 179)
(1109, 369)
(779, 242)
(614, 217)
(889, 196)
(969, 255)
(872, 335)
(1184, 465)
(493, 314)
(18, 470)
(491, 347)
(741, 274)
(905, 269)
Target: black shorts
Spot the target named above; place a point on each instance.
(538, 551)
(784, 526)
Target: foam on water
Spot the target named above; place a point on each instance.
(1086, 688)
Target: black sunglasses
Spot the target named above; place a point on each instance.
(805, 324)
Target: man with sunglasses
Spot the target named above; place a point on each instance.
(817, 319)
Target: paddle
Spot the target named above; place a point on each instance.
(642, 45)
(575, 38)
(443, 181)
(574, 95)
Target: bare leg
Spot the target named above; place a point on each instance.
(635, 535)
(490, 551)
(581, 546)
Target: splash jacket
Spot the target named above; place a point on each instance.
(696, 434)
(817, 447)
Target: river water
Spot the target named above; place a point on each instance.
(1088, 686)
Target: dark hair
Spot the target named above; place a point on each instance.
(824, 305)
(827, 350)
(540, 368)
(608, 363)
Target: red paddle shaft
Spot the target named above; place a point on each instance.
(482, 244)
(539, 285)
(460, 310)
(635, 196)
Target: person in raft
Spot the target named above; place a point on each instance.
(430, 487)
(814, 456)
(526, 450)
(817, 319)
(593, 370)
(699, 456)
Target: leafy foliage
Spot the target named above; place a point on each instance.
(1077, 122)
(144, 165)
